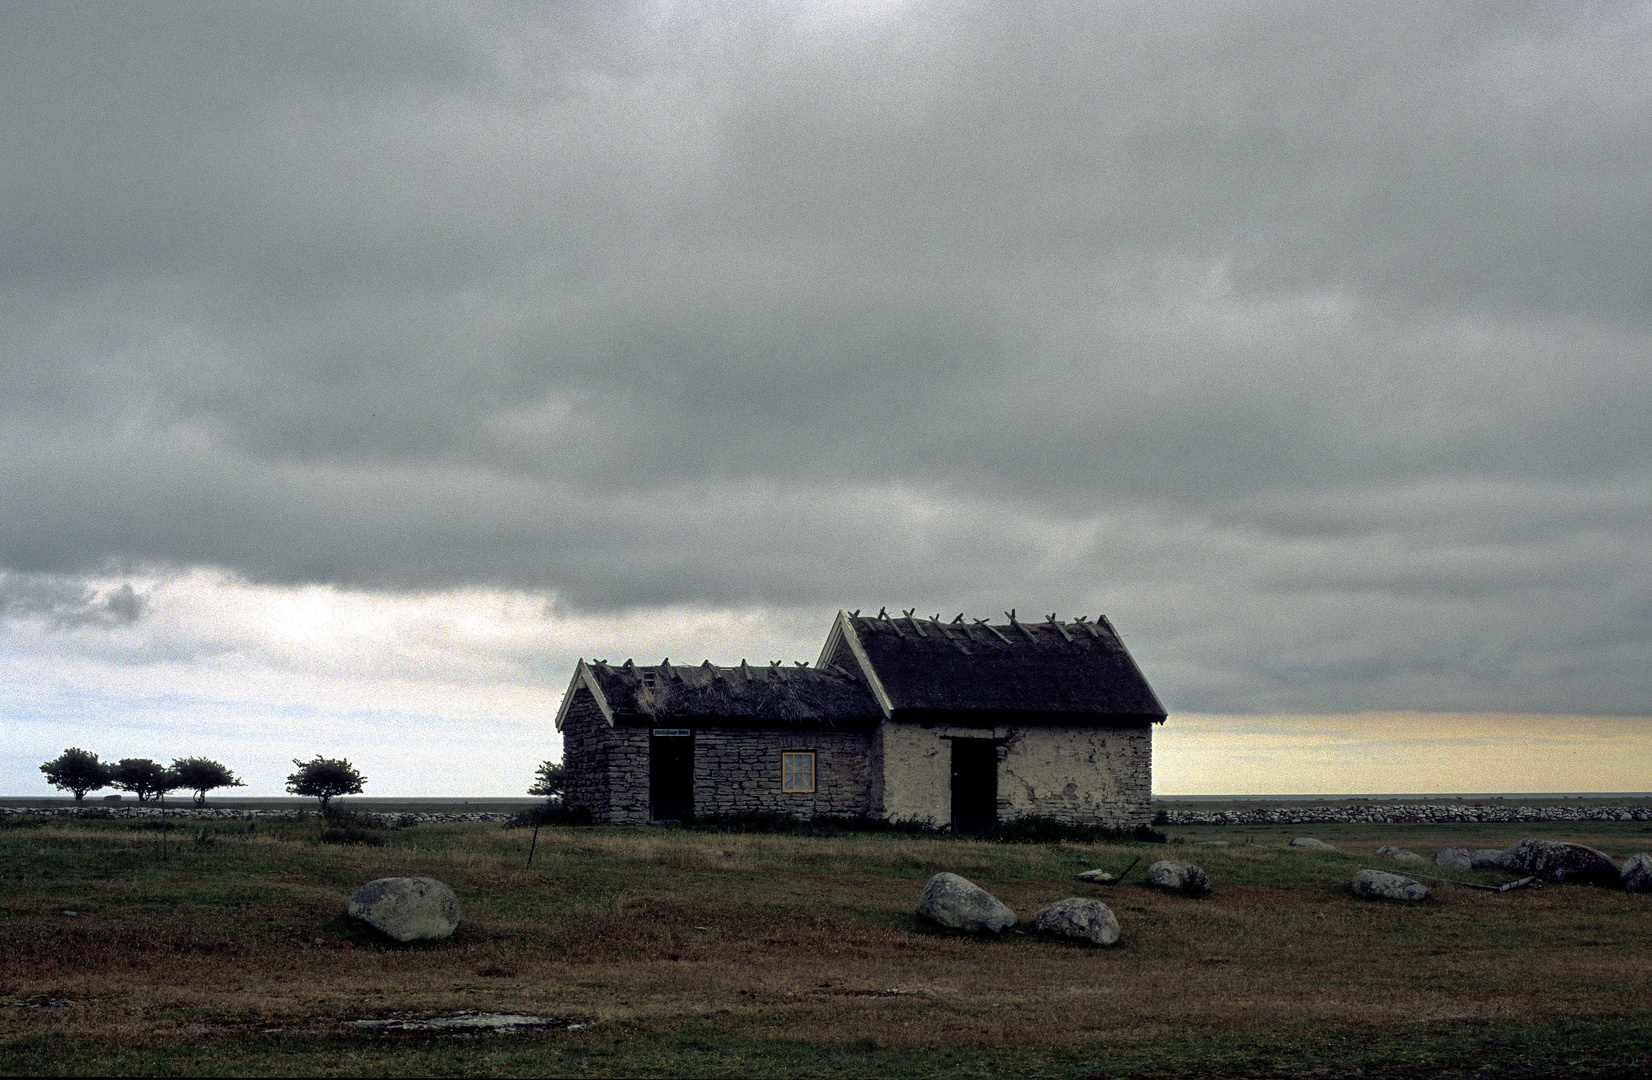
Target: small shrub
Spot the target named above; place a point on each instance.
(554, 813)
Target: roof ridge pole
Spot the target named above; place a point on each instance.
(665, 668)
(1030, 635)
(994, 629)
(914, 623)
(1062, 630)
(745, 669)
(1083, 620)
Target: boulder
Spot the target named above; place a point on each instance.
(1173, 875)
(1486, 858)
(1096, 877)
(1558, 860)
(1310, 842)
(1457, 858)
(959, 904)
(1636, 873)
(1382, 885)
(1080, 918)
(1389, 851)
(407, 908)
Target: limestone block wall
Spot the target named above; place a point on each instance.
(738, 769)
(585, 755)
(1081, 775)
(627, 776)
(606, 767)
(1078, 775)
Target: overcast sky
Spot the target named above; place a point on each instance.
(362, 366)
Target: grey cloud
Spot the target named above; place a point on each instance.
(66, 603)
(1195, 313)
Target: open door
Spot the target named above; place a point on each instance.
(671, 774)
(974, 785)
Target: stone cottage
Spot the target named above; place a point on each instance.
(901, 717)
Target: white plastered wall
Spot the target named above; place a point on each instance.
(1077, 774)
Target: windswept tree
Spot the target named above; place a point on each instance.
(548, 781)
(144, 778)
(78, 771)
(325, 778)
(201, 775)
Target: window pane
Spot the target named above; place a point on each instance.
(797, 772)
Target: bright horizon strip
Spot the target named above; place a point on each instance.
(413, 756)
(1401, 753)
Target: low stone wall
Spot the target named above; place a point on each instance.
(211, 813)
(1396, 814)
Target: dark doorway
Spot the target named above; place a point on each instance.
(974, 785)
(671, 775)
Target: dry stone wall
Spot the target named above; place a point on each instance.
(1399, 814)
(738, 769)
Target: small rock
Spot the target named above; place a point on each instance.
(1096, 877)
(1213, 843)
(407, 908)
(713, 853)
(1173, 875)
(1486, 858)
(1456, 858)
(1382, 885)
(1558, 860)
(1080, 918)
(1636, 873)
(959, 904)
(1310, 842)
(1389, 851)
(70, 914)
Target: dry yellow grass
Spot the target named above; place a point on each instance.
(758, 937)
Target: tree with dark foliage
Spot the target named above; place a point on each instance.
(548, 781)
(201, 775)
(143, 778)
(325, 778)
(76, 770)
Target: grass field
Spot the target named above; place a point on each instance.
(699, 954)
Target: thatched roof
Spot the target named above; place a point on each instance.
(1068, 670)
(757, 696)
(902, 668)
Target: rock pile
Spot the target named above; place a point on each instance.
(1395, 813)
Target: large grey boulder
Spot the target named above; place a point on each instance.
(1382, 885)
(959, 904)
(1558, 860)
(407, 908)
(1636, 873)
(1173, 875)
(1310, 842)
(1080, 918)
(1389, 851)
(1455, 858)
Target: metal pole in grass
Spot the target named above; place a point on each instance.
(163, 825)
(538, 816)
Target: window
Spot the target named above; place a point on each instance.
(797, 771)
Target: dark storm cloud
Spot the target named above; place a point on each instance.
(1310, 340)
